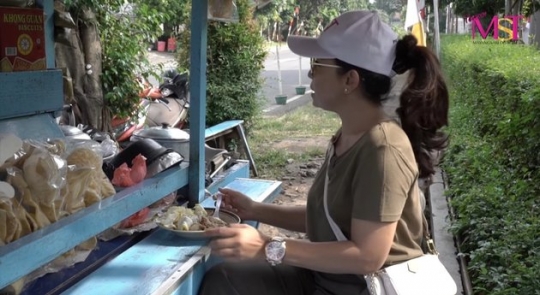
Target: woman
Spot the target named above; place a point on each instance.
(373, 173)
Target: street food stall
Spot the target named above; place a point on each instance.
(156, 261)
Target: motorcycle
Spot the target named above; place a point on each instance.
(168, 104)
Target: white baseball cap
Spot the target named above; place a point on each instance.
(358, 38)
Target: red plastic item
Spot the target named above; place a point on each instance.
(161, 46)
(125, 177)
(171, 45)
(135, 219)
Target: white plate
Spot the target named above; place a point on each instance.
(224, 215)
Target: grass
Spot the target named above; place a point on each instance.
(304, 123)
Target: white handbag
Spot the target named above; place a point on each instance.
(424, 275)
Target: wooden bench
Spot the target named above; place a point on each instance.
(218, 133)
(164, 263)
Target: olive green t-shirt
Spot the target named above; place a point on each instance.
(375, 180)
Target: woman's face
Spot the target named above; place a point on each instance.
(327, 84)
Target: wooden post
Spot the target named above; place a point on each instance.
(197, 110)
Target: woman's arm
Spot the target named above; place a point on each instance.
(291, 218)
(365, 253)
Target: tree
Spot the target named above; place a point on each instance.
(468, 7)
(389, 6)
(355, 4)
(235, 56)
(105, 52)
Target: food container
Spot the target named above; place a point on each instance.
(169, 137)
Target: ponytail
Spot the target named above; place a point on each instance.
(424, 102)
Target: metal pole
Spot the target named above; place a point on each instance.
(197, 110)
(299, 71)
(279, 69)
(436, 27)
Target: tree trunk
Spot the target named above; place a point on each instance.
(77, 49)
(507, 7)
(92, 80)
(516, 8)
(69, 57)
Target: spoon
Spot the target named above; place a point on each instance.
(219, 197)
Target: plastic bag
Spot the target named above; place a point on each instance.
(35, 216)
(144, 219)
(45, 173)
(124, 176)
(98, 186)
(109, 147)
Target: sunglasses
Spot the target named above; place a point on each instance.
(313, 64)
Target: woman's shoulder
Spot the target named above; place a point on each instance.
(388, 134)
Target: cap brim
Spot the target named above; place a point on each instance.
(307, 47)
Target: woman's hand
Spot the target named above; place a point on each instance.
(237, 242)
(238, 203)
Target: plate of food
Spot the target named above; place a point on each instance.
(191, 223)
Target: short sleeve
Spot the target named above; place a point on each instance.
(381, 184)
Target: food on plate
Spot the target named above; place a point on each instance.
(185, 219)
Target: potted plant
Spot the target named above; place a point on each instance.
(281, 99)
(300, 90)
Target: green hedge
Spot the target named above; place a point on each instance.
(236, 53)
(493, 162)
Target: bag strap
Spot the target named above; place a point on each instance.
(430, 245)
(335, 228)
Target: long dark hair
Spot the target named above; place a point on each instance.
(424, 102)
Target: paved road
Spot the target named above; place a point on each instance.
(289, 64)
(167, 60)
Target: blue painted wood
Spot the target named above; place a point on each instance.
(163, 260)
(192, 282)
(55, 283)
(74, 229)
(197, 110)
(239, 170)
(259, 190)
(141, 269)
(37, 127)
(48, 9)
(28, 93)
(222, 127)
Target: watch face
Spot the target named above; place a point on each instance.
(275, 250)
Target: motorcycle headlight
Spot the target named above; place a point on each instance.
(166, 92)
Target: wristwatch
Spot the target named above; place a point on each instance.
(275, 250)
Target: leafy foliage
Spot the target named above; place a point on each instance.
(493, 162)
(235, 55)
(174, 12)
(530, 7)
(125, 29)
(311, 11)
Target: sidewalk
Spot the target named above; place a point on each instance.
(292, 103)
(440, 223)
